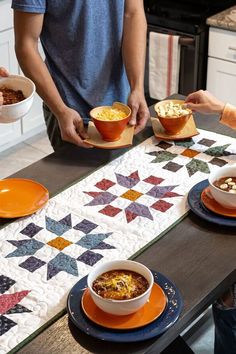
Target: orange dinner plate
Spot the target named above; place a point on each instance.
(21, 197)
(148, 313)
(211, 204)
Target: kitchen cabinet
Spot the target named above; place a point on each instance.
(8, 132)
(35, 117)
(221, 72)
(33, 122)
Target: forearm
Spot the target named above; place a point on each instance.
(228, 116)
(134, 48)
(33, 67)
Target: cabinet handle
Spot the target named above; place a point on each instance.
(232, 48)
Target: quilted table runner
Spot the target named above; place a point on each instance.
(112, 214)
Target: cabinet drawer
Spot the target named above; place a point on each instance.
(221, 79)
(6, 15)
(9, 133)
(222, 44)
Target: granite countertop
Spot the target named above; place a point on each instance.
(225, 19)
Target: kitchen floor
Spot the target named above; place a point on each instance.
(200, 337)
(24, 154)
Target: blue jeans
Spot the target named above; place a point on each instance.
(225, 330)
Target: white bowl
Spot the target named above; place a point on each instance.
(224, 198)
(120, 307)
(12, 112)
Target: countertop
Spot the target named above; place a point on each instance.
(225, 19)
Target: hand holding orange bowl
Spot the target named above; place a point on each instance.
(172, 115)
(111, 121)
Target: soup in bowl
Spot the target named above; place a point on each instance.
(120, 287)
(111, 121)
(172, 115)
(222, 184)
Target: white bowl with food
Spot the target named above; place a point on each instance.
(18, 94)
(222, 184)
(120, 287)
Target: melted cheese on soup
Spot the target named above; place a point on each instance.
(120, 285)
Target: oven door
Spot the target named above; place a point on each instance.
(192, 74)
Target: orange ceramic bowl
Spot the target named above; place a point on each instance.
(110, 128)
(172, 124)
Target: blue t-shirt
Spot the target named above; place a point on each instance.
(82, 43)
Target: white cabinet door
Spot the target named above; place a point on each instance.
(34, 119)
(8, 57)
(6, 15)
(8, 132)
(221, 79)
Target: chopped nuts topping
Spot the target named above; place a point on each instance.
(231, 183)
(227, 184)
(228, 180)
(224, 186)
(172, 110)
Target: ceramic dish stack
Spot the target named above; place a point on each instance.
(154, 318)
(211, 202)
(206, 207)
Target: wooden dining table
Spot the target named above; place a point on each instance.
(196, 255)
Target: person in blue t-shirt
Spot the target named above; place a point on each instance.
(94, 55)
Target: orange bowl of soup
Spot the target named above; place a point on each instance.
(172, 115)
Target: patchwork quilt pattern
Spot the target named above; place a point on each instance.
(112, 214)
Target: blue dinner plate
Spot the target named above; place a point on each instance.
(160, 325)
(196, 205)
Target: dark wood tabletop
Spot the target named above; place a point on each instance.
(199, 257)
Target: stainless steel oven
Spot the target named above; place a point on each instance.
(187, 19)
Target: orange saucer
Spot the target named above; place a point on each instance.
(21, 197)
(148, 313)
(96, 140)
(211, 204)
(188, 131)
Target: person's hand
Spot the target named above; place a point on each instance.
(140, 111)
(204, 102)
(72, 128)
(3, 73)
